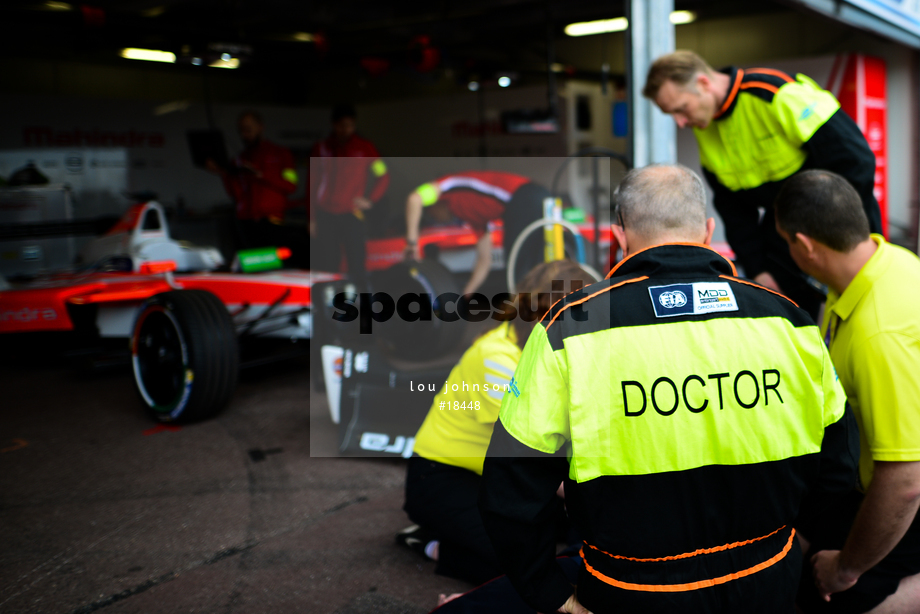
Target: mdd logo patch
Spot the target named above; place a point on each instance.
(687, 299)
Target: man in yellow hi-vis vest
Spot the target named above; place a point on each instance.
(756, 127)
(692, 416)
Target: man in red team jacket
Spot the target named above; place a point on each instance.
(478, 197)
(260, 180)
(347, 177)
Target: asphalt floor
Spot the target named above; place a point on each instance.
(101, 510)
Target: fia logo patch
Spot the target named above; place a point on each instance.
(673, 300)
(692, 299)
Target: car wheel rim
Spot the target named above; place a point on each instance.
(160, 360)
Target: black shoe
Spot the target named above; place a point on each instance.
(415, 538)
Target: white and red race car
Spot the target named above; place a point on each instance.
(184, 321)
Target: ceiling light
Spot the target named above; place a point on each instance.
(222, 63)
(50, 5)
(170, 107)
(682, 17)
(150, 55)
(473, 85)
(504, 81)
(303, 37)
(584, 28)
(618, 24)
(154, 11)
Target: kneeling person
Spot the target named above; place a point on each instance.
(442, 485)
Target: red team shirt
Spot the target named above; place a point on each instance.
(339, 173)
(257, 198)
(478, 197)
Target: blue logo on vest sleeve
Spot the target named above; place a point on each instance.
(514, 388)
(673, 300)
(807, 112)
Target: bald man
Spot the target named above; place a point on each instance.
(691, 415)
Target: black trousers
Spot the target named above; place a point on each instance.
(525, 206)
(779, 263)
(829, 532)
(443, 499)
(335, 234)
(793, 283)
(500, 597)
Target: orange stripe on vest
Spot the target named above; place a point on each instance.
(762, 85)
(771, 71)
(590, 296)
(692, 586)
(687, 555)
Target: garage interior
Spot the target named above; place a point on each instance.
(256, 510)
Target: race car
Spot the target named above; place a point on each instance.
(185, 322)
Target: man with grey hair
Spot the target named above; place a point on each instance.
(664, 199)
(690, 414)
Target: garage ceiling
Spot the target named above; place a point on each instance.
(318, 42)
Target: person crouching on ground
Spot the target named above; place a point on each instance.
(442, 483)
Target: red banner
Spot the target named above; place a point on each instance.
(859, 83)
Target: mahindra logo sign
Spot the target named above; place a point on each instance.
(45, 136)
(28, 314)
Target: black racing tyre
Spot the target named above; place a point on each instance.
(185, 356)
(424, 339)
